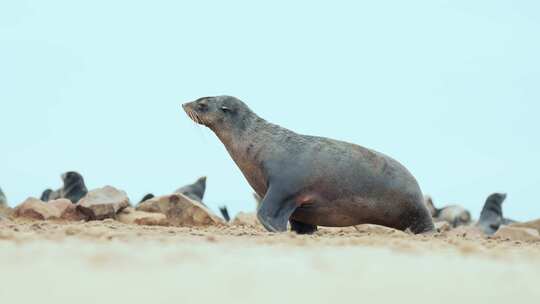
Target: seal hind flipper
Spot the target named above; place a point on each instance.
(302, 228)
(275, 210)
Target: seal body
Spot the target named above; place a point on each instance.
(455, 215)
(313, 180)
(491, 216)
(3, 199)
(194, 191)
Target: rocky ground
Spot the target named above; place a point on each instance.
(60, 253)
(87, 262)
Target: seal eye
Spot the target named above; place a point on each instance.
(225, 109)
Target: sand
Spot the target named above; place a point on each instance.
(109, 262)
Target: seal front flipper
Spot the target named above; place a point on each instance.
(302, 228)
(275, 210)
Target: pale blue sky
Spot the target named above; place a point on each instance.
(449, 88)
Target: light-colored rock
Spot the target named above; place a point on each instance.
(517, 234)
(132, 216)
(33, 208)
(532, 225)
(5, 211)
(68, 210)
(246, 219)
(181, 211)
(103, 203)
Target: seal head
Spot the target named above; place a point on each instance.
(223, 112)
(74, 188)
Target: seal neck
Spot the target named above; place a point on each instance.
(238, 135)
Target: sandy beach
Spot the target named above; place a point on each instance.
(108, 261)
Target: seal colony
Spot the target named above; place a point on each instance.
(312, 181)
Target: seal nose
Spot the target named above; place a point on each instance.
(187, 105)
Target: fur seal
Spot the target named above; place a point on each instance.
(49, 195)
(454, 215)
(491, 217)
(310, 181)
(3, 199)
(74, 188)
(225, 213)
(194, 191)
(147, 197)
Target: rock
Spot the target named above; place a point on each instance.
(181, 211)
(132, 216)
(103, 203)
(246, 219)
(68, 210)
(33, 208)
(517, 234)
(532, 225)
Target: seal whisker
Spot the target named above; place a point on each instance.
(199, 119)
(192, 116)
